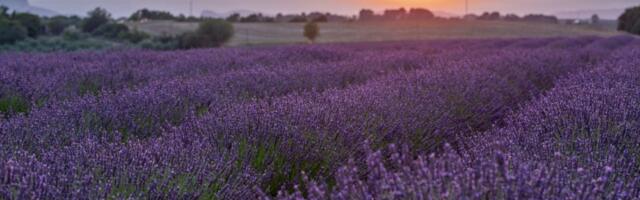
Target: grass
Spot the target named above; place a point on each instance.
(13, 104)
(284, 33)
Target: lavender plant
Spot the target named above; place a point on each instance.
(550, 118)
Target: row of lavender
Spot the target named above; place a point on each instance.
(221, 134)
(38, 79)
(580, 141)
(143, 111)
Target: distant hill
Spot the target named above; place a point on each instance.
(24, 6)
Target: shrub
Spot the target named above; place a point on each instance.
(192, 40)
(97, 18)
(311, 31)
(164, 42)
(11, 32)
(73, 34)
(56, 44)
(210, 33)
(31, 22)
(217, 32)
(111, 30)
(629, 21)
(56, 25)
(134, 36)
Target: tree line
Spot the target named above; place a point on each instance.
(16, 26)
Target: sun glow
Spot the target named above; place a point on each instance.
(450, 5)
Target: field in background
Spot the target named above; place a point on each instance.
(278, 33)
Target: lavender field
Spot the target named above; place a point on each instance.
(539, 118)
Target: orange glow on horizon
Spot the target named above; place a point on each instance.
(431, 4)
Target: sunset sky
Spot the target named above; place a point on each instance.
(350, 7)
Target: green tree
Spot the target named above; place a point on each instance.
(629, 21)
(311, 31)
(56, 25)
(31, 22)
(4, 12)
(96, 18)
(151, 15)
(11, 31)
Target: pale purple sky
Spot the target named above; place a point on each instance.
(350, 7)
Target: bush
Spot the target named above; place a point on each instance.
(56, 25)
(31, 22)
(97, 18)
(111, 30)
(311, 31)
(11, 32)
(134, 36)
(73, 34)
(192, 40)
(165, 42)
(210, 33)
(217, 32)
(56, 44)
(629, 21)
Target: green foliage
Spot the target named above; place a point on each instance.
(135, 36)
(13, 104)
(210, 33)
(629, 21)
(97, 18)
(56, 25)
(151, 15)
(192, 40)
(4, 12)
(89, 87)
(215, 32)
(268, 156)
(311, 31)
(11, 32)
(73, 34)
(31, 22)
(160, 43)
(55, 44)
(111, 30)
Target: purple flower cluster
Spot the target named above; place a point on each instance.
(525, 118)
